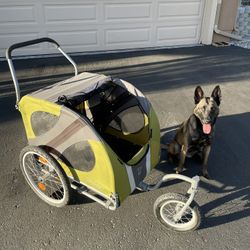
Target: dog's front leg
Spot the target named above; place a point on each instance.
(206, 153)
(183, 154)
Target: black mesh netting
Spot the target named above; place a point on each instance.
(130, 120)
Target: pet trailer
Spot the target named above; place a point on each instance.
(100, 136)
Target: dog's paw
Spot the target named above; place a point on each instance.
(206, 175)
(179, 170)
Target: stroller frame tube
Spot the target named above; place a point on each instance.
(111, 203)
(14, 78)
(25, 44)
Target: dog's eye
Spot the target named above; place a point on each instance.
(204, 108)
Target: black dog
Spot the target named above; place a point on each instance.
(195, 134)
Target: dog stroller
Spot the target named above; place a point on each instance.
(100, 136)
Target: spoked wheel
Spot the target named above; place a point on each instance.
(168, 205)
(45, 176)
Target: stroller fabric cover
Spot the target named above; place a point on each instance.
(102, 131)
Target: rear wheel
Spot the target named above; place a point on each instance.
(168, 205)
(45, 176)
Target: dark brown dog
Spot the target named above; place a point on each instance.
(195, 134)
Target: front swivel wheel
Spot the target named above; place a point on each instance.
(168, 205)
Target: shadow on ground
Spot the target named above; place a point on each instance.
(150, 71)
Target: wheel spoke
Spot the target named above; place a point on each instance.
(44, 173)
(32, 166)
(170, 209)
(33, 171)
(53, 188)
(57, 182)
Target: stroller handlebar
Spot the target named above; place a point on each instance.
(28, 43)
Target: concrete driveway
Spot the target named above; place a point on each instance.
(168, 78)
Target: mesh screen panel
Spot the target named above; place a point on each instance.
(80, 156)
(42, 122)
(130, 120)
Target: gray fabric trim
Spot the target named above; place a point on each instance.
(142, 99)
(66, 134)
(82, 82)
(139, 171)
(69, 129)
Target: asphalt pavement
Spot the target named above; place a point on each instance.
(168, 78)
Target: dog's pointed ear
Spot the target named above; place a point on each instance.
(216, 94)
(198, 94)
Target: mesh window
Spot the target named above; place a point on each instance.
(130, 120)
(42, 122)
(94, 101)
(80, 156)
(115, 124)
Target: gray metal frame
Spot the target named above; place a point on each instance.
(12, 69)
(112, 203)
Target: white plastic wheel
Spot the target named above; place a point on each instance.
(168, 205)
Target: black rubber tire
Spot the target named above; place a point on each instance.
(161, 200)
(67, 191)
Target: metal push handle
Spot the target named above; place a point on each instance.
(28, 43)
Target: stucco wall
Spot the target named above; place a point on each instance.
(227, 17)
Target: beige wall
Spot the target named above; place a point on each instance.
(228, 15)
